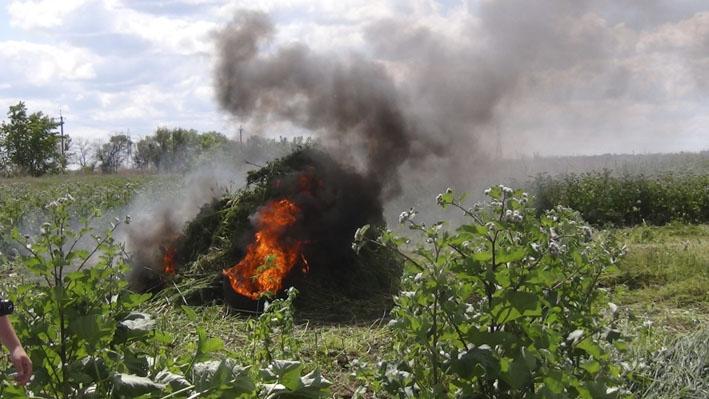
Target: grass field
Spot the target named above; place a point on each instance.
(661, 288)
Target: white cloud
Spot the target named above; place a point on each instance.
(40, 64)
(119, 64)
(169, 34)
(40, 13)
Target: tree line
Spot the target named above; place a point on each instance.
(30, 144)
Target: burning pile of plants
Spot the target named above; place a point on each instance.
(292, 225)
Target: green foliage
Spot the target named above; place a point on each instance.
(70, 314)
(505, 305)
(29, 144)
(113, 154)
(171, 150)
(272, 332)
(604, 199)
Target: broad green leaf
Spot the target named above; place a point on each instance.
(592, 366)
(175, 381)
(553, 383)
(131, 386)
(138, 322)
(90, 328)
(475, 362)
(516, 305)
(590, 347)
(513, 256)
(517, 374)
(311, 386)
(207, 345)
(286, 372)
(484, 256)
(226, 373)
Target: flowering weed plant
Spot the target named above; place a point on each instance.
(505, 305)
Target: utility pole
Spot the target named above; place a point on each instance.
(61, 137)
(130, 150)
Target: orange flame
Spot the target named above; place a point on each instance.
(268, 258)
(168, 260)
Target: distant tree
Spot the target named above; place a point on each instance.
(212, 140)
(114, 154)
(147, 153)
(83, 153)
(174, 150)
(30, 143)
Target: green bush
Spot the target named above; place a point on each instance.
(604, 199)
(504, 306)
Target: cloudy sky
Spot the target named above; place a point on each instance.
(633, 76)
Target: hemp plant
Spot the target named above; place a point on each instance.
(69, 311)
(505, 305)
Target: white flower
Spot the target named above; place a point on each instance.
(449, 190)
(439, 199)
(554, 248)
(507, 190)
(487, 191)
(575, 336)
(403, 217)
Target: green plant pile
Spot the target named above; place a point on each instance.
(348, 287)
(604, 199)
(506, 305)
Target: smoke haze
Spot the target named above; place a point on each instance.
(495, 78)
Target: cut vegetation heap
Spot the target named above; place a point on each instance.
(292, 225)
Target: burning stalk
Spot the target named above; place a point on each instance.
(168, 260)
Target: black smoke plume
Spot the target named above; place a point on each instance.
(352, 101)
